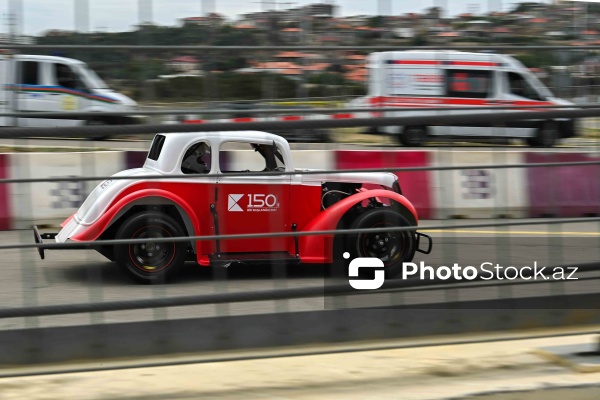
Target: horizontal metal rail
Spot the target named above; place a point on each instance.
(340, 232)
(296, 352)
(427, 120)
(301, 172)
(209, 48)
(238, 297)
(317, 111)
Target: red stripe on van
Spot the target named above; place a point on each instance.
(473, 63)
(291, 118)
(416, 62)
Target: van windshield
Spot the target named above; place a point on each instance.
(539, 86)
(91, 79)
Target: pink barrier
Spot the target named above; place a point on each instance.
(569, 191)
(4, 207)
(415, 184)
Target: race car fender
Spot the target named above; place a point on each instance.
(119, 206)
(318, 248)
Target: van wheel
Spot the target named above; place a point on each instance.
(97, 122)
(393, 248)
(413, 136)
(531, 141)
(150, 262)
(547, 134)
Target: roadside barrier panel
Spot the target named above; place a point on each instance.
(415, 185)
(135, 159)
(5, 222)
(49, 203)
(477, 192)
(313, 159)
(569, 191)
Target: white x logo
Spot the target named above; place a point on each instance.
(232, 203)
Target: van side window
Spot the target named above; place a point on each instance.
(30, 73)
(468, 83)
(520, 87)
(65, 77)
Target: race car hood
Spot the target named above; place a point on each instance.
(378, 178)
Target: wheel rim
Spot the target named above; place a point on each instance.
(414, 136)
(151, 257)
(386, 246)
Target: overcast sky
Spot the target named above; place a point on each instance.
(38, 16)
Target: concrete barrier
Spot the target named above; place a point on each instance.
(569, 191)
(415, 185)
(479, 193)
(135, 159)
(49, 203)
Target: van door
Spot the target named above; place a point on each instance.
(31, 94)
(468, 88)
(6, 98)
(518, 91)
(72, 94)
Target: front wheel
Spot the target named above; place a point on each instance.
(413, 136)
(393, 248)
(547, 134)
(150, 262)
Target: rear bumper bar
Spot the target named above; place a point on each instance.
(39, 239)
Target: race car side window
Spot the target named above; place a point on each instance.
(157, 146)
(196, 159)
(240, 157)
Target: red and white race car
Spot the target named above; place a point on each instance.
(233, 183)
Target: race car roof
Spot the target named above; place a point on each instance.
(175, 145)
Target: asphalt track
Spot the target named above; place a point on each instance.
(81, 276)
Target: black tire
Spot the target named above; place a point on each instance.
(532, 141)
(393, 248)
(547, 134)
(150, 262)
(97, 122)
(413, 136)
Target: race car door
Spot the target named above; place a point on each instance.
(253, 203)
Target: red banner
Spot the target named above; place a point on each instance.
(415, 185)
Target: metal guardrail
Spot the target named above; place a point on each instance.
(284, 111)
(428, 120)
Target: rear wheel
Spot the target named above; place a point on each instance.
(150, 262)
(393, 248)
(413, 136)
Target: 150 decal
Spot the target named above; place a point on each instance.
(255, 202)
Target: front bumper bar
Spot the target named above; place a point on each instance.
(429, 243)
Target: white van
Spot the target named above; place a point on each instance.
(450, 79)
(32, 83)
